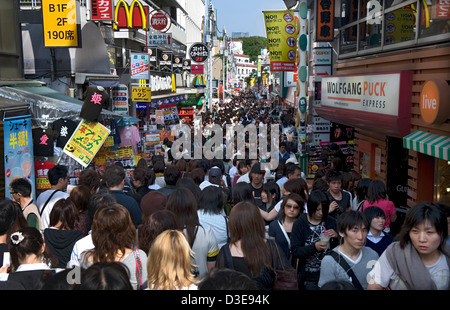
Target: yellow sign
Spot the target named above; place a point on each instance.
(85, 142)
(60, 23)
(282, 35)
(141, 94)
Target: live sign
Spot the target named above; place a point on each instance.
(198, 52)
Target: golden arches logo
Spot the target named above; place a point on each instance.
(129, 13)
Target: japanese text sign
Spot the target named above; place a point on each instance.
(198, 52)
(282, 39)
(141, 94)
(324, 17)
(140, 68)
(102, 9)
(85, 142)
(60, 23)
(18, 154)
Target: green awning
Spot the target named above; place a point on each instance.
(428, 143)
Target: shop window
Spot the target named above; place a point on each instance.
(371, 26)
(442, 181)
(435, 17)
(400, 25)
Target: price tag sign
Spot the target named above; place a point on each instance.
(141, 94)
(60, 23)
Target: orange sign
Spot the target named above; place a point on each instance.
(324, 23)
(432, 106)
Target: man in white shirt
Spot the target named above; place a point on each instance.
(59, 179)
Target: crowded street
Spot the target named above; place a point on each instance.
(215, 146)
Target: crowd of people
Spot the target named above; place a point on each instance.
(219, 225)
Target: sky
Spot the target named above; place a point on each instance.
(244, 15)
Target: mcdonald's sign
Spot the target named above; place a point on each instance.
(130, 16)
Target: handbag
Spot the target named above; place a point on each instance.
(285, 278)
(138, 269)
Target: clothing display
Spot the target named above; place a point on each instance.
(63, 128)
(43, 139)
(95, 100)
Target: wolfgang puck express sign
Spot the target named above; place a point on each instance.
(374, 93)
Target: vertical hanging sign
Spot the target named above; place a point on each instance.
(102, 10)
(60, 23)
(18, 146)
(324, 20)
(282, 39)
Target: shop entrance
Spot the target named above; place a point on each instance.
(397, 178)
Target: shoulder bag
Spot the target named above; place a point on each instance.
(343, 263)
(138, 269)
(48, 200)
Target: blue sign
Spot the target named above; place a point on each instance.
(18, 145)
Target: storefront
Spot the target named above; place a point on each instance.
(378, 106)
(39, 124)
(387, 127)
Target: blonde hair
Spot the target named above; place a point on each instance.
(170, 262)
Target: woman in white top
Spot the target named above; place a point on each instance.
(114, 237)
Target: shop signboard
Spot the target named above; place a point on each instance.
(102, 10)
(60, 23)
(86, 141)
(139, 66)
(18, 151)
(198, 52)
(324, 20)
(120, 98)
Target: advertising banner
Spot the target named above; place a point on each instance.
(18, 146)
(85, 142)
(282, 39)
(140, 66)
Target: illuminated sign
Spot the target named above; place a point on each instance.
(132, 16)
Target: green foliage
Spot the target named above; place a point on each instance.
(252, 46)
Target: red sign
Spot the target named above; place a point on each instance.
(160, 20)
(197, 69)
(101, 9)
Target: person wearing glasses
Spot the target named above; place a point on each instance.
(307, 246)
(281, 228)
(21, 193)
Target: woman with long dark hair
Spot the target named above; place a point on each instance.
(201, 238)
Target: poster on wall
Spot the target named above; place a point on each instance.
(18, 146)
(86, 141)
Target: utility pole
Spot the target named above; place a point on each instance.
(210, 46)
(224, 63)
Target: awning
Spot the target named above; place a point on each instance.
(48, 105)
(428, 143)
